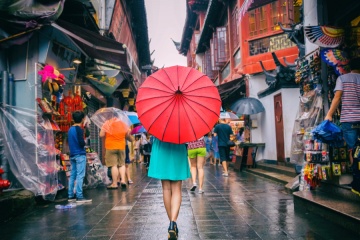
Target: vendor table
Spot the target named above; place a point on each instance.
(246, 155)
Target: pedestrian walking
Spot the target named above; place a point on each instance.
(347, 91)
(137, 150)
(215, 148)
(224, 131)
(77, 158)
(127, 163)
(197, 153)
(115, 150)
(209, 150)
(169, 164)
(146, 143)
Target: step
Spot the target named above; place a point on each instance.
(332, 207)
(278, 177)
(342, 191)
(285, 170)
(16, 202)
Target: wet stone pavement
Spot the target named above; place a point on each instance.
(242, 206)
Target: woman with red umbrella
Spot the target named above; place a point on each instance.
(176, 105)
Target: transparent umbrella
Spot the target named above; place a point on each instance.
(113, 117)
(228, 115)
(247, 106)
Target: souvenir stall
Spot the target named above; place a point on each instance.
(58, 101)
(316, 75)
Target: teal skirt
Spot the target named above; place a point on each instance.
(168, 161)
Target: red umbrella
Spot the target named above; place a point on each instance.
(178, 104)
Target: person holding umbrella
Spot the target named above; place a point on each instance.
(115, 127)
(115, 150)
(176, 105)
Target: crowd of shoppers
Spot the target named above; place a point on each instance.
(170, 163)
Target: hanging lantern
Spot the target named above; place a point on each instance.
(131, 101)
(125, 92)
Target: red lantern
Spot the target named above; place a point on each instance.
(4, 184)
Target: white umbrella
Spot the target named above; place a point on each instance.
(228, 115)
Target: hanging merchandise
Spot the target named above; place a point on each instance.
(325, 36)
(96, 173)
(336, 58)
(308, 73)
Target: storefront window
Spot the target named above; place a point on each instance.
(216, 82)
(266, 18)
(252, 23)
(225, 72)
(263, 20)
(270, 44)
(237, 57)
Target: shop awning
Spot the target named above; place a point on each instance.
(227, 89)
(95, 45)
(105, 77)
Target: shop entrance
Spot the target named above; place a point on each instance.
(279, 128)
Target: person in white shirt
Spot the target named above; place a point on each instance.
(137, 149)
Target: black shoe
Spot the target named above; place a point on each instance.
(123, 185)
(172, 235)
(72, 199)
(176, 228)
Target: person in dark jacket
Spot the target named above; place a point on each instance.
(77, 158)
(224, 131)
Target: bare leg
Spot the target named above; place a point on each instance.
(193, 169)
(175, 199)
(114, 175)
(166, 186)
(225, 166)
(127, 172)
(122, 173)
(200, 168)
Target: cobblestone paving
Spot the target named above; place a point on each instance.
(242, 206)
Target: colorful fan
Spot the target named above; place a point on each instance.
(342, 69)
(329, 37)
(334, 57)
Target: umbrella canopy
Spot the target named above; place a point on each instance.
(117, 117)
(247, 106)
(138, 129)
(228, 115)
(133, 117)
(178, 104)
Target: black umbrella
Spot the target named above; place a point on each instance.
(247, 106)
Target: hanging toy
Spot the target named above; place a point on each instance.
(47, 73)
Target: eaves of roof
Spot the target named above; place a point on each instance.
(190, 22)
(140, 29)
(212, 17)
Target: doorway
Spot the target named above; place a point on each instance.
(279, 128)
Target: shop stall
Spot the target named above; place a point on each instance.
(57, 101)
(316, 75)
